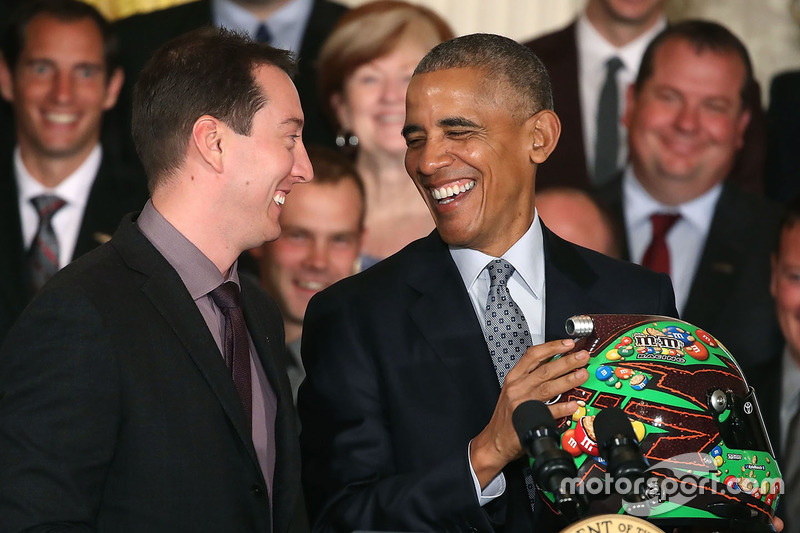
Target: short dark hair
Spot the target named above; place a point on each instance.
(790, 218)
(502, 60)
(14, 35)
(208, 71)
(702, 35)
(331, 168)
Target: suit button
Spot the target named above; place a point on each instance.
(256, 491)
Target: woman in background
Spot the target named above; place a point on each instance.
(364, 70)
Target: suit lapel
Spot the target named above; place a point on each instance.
(723, 253)
(263, 324)
(169, 296)
(568, 285)
(13, 268)
(446, 320)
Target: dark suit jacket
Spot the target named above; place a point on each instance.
(783, 132)
(729, 295)
(141, 35)
(117, 412)
(566, 166)
(399, 380)
(116, 190)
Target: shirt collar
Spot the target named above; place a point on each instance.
(526, 255)
(597, 50)
(74, 190)
(287, 25)
(198, 273)
(697, 212)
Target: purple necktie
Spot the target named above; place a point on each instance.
(236, 347)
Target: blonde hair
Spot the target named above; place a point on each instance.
(368, 32)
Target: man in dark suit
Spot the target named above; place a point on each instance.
(297, 25)
(60, 73)
(783, 130)
(777, 380)
(406, 409)
(136, 392)
(686, 118)
(576, 57)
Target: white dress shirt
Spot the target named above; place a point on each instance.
(74, 190)
(526, 286)
(286, 25)
(593, 53)
(686, 240)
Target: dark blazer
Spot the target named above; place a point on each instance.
(729, 295)
(117, 412)
(399, 380)
(566, 166)
(141, 35)
(783, 132)
(116, 190)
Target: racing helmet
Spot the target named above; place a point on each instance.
(710, 463)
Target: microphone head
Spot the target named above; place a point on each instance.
(530, 415)
(612, 422)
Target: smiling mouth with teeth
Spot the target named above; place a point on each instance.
(447, 193)
(311, 285)
(279, 198)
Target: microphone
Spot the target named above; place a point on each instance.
(551, 466)
(619, 446)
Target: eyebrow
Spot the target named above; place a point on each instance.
(449, 122)
(298, 122)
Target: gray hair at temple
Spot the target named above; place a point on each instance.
(502, 60)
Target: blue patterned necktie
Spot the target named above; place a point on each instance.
(43, 254)
(504, 326)
(507, 335)
(263, 35)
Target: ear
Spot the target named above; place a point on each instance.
(741, 126)
(207, 136)
(342, 110)
(6, 82)
(544, 129)
(630, 103)
(112, 88)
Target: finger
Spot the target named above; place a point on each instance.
(562, 409)
(547, 390)
(540, 353)
(560, 366)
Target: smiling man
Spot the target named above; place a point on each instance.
(407, 404)
(686, 117)
(322, 229)
(143, 389)
(61, 193)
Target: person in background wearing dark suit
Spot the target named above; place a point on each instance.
(143, 388)
(783, 132)
(322, 225)
(61, 192)
(297, 25)
(675, 205)
(603, 47)
(777, 380)
(407, 404)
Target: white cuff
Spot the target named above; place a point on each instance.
(495, 488)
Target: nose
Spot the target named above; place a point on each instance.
(317, 256)
(302, 169)
(394, 90)
(62, 88)
(432, 157)
(687, 118)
